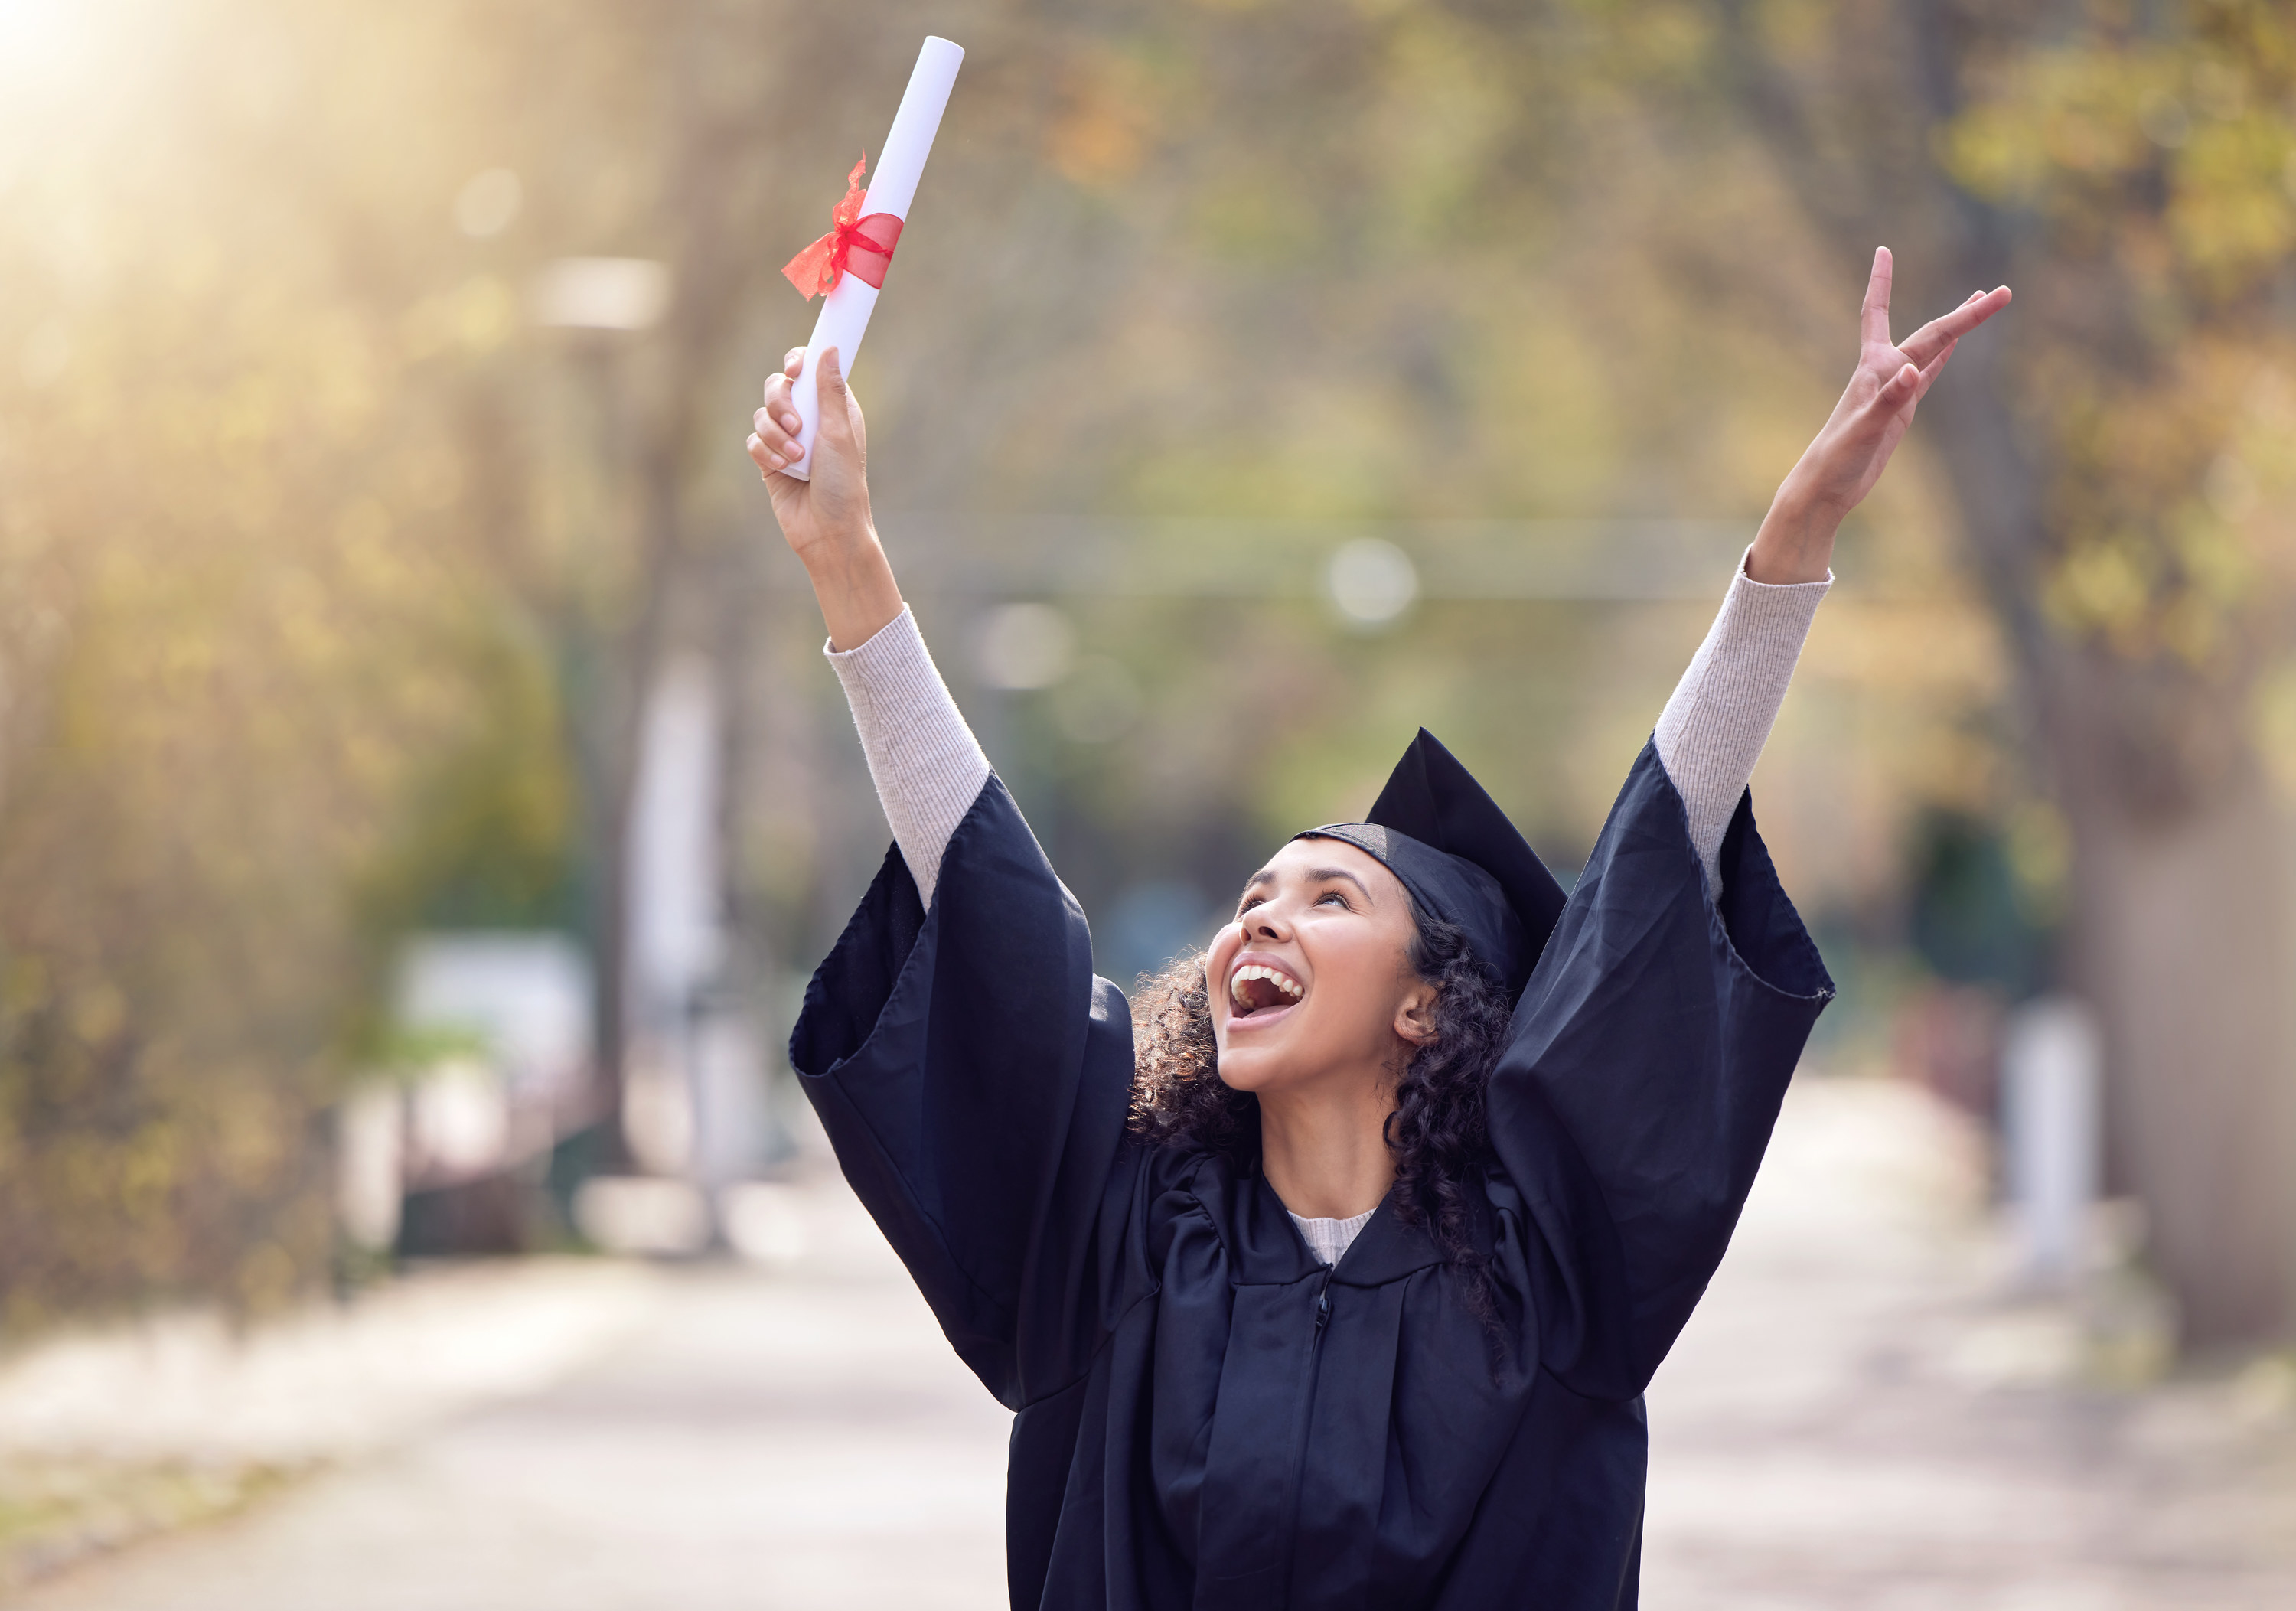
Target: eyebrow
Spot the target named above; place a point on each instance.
(1315, 876)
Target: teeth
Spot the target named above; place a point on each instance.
(1255, 971)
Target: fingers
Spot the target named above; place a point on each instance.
(829, 374)
(1902, 389)
(1873, 317)
(1897, 390)
(1924, 344)
(794, 362)
(1935, 368)
(1910, 383)
(773, 441)
(839, 412)
(771, 459)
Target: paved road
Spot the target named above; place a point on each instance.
(804, 1439)
(1855, 1420)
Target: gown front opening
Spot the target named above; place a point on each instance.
(1206, 1415)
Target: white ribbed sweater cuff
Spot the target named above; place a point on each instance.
(928, 767)
(1711, 732)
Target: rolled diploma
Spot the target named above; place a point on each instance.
(900, 162)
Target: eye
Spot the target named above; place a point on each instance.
(1333, 896)
(1248, 903)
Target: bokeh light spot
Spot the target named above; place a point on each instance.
(489, 203)
(1372, 581)
(1025, 646)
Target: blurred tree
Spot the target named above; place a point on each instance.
(2123, 460)
(267, 595)
(1968, 921)
(330, 583)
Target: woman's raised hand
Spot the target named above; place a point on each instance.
(826, 520)
(834, 505)
(1841, 466)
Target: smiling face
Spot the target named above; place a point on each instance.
(1313, 982)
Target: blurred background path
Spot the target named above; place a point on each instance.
(1862, 1415)
(1856, 1418)
(802, 1437)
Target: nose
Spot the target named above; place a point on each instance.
(1264, 923)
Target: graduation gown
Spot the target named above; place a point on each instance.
(1204, 1415)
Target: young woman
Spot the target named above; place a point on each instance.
(1334, 1278)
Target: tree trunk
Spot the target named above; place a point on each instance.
(2182, 940)
(2181, 933)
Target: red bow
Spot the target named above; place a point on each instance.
(865, 246)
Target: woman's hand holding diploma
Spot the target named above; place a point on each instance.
(1839, 468)
(826, 519)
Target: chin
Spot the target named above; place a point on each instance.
(1257, 1068)
(1252, 1071)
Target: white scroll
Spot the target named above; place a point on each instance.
(845, 309)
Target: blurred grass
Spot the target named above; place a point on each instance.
(55, 1513)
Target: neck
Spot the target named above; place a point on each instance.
(1324, 1147)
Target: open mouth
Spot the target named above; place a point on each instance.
(1257, 989)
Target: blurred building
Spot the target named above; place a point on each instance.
(499, 1067)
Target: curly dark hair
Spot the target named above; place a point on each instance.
(1437, 1131)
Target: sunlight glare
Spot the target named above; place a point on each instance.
(44, 41)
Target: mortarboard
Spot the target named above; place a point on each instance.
(1435, 829)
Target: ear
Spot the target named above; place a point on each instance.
(1414, 1015)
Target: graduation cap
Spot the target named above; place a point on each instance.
(1435, 828)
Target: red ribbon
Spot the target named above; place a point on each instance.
(863, 247)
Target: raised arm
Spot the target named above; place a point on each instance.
(926, 764)
(826, 520)
(1712, 730)
(971, 1073)
(1653, 1047)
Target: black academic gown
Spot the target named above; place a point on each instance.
(1205, 1415)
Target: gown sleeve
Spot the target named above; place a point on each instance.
(973, 1076)
(1649, 1055)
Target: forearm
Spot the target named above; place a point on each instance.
(1796, 542)
(1712, 731)
(928, 767)
(853, 582)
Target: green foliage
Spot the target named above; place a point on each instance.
(2163, 166)
(249, 539)
(326, 579)
(488, 834)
